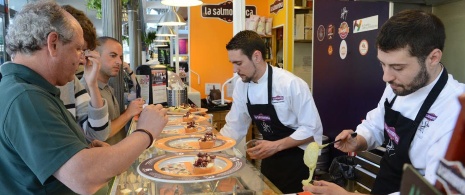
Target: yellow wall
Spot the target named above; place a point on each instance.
(285, 19)
(208, 38)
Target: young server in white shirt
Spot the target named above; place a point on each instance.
(281, 106)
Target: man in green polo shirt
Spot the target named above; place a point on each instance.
(42, 149)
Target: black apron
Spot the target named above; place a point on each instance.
(285, 169)
(399, 132)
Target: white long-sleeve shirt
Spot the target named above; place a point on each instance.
(291, 99)
(432, 137)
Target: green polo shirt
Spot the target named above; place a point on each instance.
(37, 134)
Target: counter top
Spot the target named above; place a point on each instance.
(247, 180)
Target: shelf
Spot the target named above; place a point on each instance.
(268, 60)
(302, 41)
(302, 8)
(266, 36)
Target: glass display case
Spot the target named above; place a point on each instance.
(246, 180)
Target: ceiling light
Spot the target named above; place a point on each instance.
(181, 3)
(171, 18)
(165, 31)
(162, 39)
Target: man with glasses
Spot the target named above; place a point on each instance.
(42, 148)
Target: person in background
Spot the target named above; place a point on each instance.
(111, 58)
(282, 108)
(42, 148)
(419, 107)
(91, 112)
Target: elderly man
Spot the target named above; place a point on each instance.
(43, 150)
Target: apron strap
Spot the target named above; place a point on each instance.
(432, 96)
(270, 80)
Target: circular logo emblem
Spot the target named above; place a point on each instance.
(363, 47)
(330, 31)
(321, 33)
(343, 49)
(330, 50)
(343, 30)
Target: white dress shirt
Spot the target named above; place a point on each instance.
(432, 137)
(291, 99)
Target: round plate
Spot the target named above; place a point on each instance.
(180, 129)
(181, 111)
(152, 168)
(190, 143)
(177, 119)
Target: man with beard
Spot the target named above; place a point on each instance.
(282, 108)
(417, 113)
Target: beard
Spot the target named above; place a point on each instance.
(247, 79)
(418, 82)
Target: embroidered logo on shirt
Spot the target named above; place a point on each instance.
(266, 128)
(277, 99)
(262, 117)
(425, 124)
(391, 131)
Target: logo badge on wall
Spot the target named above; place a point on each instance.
(224, 11)
(330, 31)
(363, 47)
(321, 33)
(343, 49)
(343, 30)
(276, 6)
(330, 50)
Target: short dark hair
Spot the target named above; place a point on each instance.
(248, 42)
(102, 40)
(90, 35)
(421, 32)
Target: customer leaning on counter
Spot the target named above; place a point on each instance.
(418, 110)
(281, 106)
(42, 149)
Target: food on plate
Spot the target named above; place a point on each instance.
(204, 163)
(207, 141)
(187, 117)
(183, 108)
(191, 128)
(176, 169)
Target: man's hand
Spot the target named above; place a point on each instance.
(263, 149)
(347, 143)
(135, 107)
(126, 67)
(324, 187)
(91, 67)
(153, 118)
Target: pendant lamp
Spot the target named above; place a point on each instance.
(162, 39)
(181, 3)
(165, 31)
(171, 18)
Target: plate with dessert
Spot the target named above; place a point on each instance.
(184, 108)
(207, 142)
(182, 119)
(189, 128)
(187, 168)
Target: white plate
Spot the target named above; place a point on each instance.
(225, 166)
(189, 143)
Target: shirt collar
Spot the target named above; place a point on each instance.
(264, 77)
(29, 76)
(101, 84)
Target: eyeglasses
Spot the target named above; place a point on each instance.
(84, 52)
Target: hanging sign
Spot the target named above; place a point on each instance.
(276, 6)
(224, 11)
